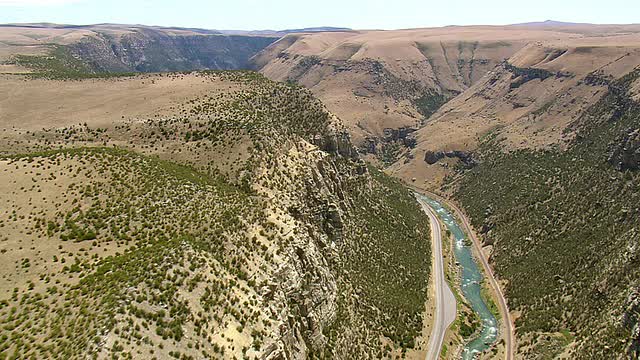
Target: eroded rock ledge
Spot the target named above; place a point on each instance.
(432, 157)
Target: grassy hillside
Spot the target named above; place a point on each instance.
(140, 259)
(564, 225)
(237, 224)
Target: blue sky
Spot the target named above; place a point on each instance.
(286, 14)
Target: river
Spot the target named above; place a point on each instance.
(471, 279)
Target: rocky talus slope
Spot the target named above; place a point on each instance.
(241, 225)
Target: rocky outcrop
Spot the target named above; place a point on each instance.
(336, 143)
(432, 157)
(521, 76)
(333, 222)
(388, 147)
(307, 281)
(308, 288)
(402, 135)
(624, 153)
(370, 145)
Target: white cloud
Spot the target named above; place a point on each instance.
(35, 2)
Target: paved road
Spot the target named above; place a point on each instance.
(445, 312)
(502, 303)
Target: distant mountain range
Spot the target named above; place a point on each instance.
(284, 32)
(549, 23)
(45, 25)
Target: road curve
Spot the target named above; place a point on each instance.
(445, 312)
(502, 303)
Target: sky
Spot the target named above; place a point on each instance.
(290, 14)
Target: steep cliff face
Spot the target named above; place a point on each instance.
(149, 50)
